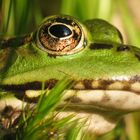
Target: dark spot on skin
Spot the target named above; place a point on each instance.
(135, 78)
(105, 83)
(87, 84)
(52, 55)
(123, 48)
(31, 100)
(10, 118)
(127, 86)
(7, 111)
(9, 61)
(15, 41)
(49, 84)
(97, 46)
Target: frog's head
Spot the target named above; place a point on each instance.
(64, 35)
(92, 53)
(60, 46)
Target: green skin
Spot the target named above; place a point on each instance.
(102, 60)
(22, 61)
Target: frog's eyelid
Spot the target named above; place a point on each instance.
(70, 39)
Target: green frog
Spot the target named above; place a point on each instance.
(92, 53)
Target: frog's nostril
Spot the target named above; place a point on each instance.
(59, 30)
(97, 46)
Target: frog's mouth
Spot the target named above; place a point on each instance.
(90, 101)
(101, 108)
(101, 104)
(132, 84)
(83, 91)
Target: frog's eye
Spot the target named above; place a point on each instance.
(60, 35)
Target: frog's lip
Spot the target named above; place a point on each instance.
(101, 101)
(90, 101)
(132, 84)
(113, 102)
(97, 106)
(89, 120)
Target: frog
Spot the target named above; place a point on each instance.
(92, 53)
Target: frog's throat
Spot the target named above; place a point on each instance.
(98, 109)
(93, 101)
(132, 84)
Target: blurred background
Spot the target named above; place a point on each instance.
(22, 16)
(19, 17)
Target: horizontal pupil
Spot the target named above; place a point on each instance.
(60, 30)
